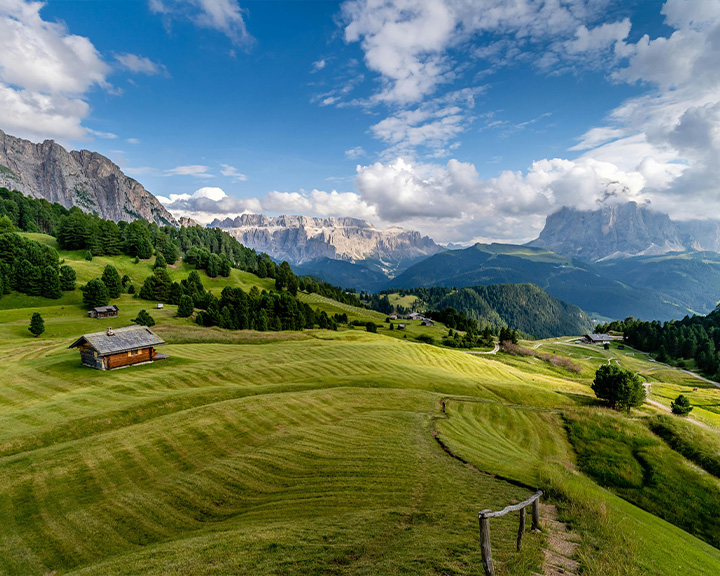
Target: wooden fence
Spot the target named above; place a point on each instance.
(484, 517)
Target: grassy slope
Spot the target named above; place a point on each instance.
(282, 453)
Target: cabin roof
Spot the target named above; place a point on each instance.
(120, 340)
(109, 308)
(598, 337)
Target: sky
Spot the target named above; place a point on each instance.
(468, 120)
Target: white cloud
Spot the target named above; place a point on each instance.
(225, 16)
(45, 73)
(196, 170)
(140, 64)
(354, 153)
(233, 173)
(318, 65)
(106, 135)
(206, 204)
(132, 141)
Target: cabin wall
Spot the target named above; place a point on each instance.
(125, 359)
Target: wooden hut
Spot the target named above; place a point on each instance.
(104, 311)
(117, 348)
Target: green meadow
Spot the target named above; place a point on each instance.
(320, 452)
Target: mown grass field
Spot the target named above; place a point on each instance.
(302, 452)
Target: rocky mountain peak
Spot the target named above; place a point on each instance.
(81, 178)
(302, 239)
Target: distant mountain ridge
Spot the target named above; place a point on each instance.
(302, 239)
(82, 178)
(622, 231)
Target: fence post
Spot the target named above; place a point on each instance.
(485, 546)
(536, 514)
(521, 529)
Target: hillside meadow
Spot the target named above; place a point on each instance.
(315, 452)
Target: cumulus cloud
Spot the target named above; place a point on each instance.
(226, 16)
(206, 204)
(45, 73)
(196, 170)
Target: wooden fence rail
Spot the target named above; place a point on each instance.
(484, 517)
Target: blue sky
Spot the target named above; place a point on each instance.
(466, 119)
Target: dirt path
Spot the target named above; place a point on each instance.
(667, 408)
(562, 545)
(493, 351)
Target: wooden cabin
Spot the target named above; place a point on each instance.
(117, 348)
(597, 338)
(104, 311)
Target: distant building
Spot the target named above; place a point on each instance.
(427, 322)
(597, 338)
(117, 348)
(414, 316)
(159, 306)
(393, 317)
(104, 311)
(401, 327)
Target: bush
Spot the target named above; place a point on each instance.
(371, 327)
(425, 339)
(681, 406)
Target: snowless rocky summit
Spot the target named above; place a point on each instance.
(301, 239)
(79, 178)
(622, 231)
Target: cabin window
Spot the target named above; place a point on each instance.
(134, 352)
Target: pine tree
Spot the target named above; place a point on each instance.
(51, 283)
(88, 255)
(681, 406)
(111, 279)
(37, 324)
(170, 252)
(185, 307)
(67, 278)
(160, 261)
(144, 319)
(95, 293)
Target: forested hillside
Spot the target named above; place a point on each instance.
(524, 307)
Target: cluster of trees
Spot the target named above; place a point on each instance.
(31, 267)
(692, 338)
(29, 214)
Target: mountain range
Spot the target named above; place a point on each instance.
(301, 240)
(619, 260)
(79, 178)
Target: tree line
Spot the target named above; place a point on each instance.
(678, 341)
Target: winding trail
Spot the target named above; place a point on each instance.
(493, 351)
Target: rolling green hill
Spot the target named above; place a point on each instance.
(570, 280)
(310, 452)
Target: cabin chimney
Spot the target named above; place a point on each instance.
(110, 331)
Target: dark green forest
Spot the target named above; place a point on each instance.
(694, 338)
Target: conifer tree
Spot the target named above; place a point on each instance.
(111, 279)
(51, 283)
(67, 278)
(95, 293)
(160, 261)
(37, 324)
(185, 307)
(144, 319)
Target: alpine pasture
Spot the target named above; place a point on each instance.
(313, 452)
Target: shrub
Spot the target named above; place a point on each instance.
(681, 406)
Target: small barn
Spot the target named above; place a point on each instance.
(117, 348)
(414, 316)
(597, 338)
(104, 311)
(401, 326)
(427, 322)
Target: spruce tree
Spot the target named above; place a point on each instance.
(95, 293)
(681, 406)
(111, 279)
(144, 319)
(37, 324)
(185, 307)
(160, 261)
(51, 283)
(67, 278)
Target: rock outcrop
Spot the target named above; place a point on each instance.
(301, 239)
(614, 231)
(82, 178)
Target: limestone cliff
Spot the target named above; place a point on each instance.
(79, 178)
